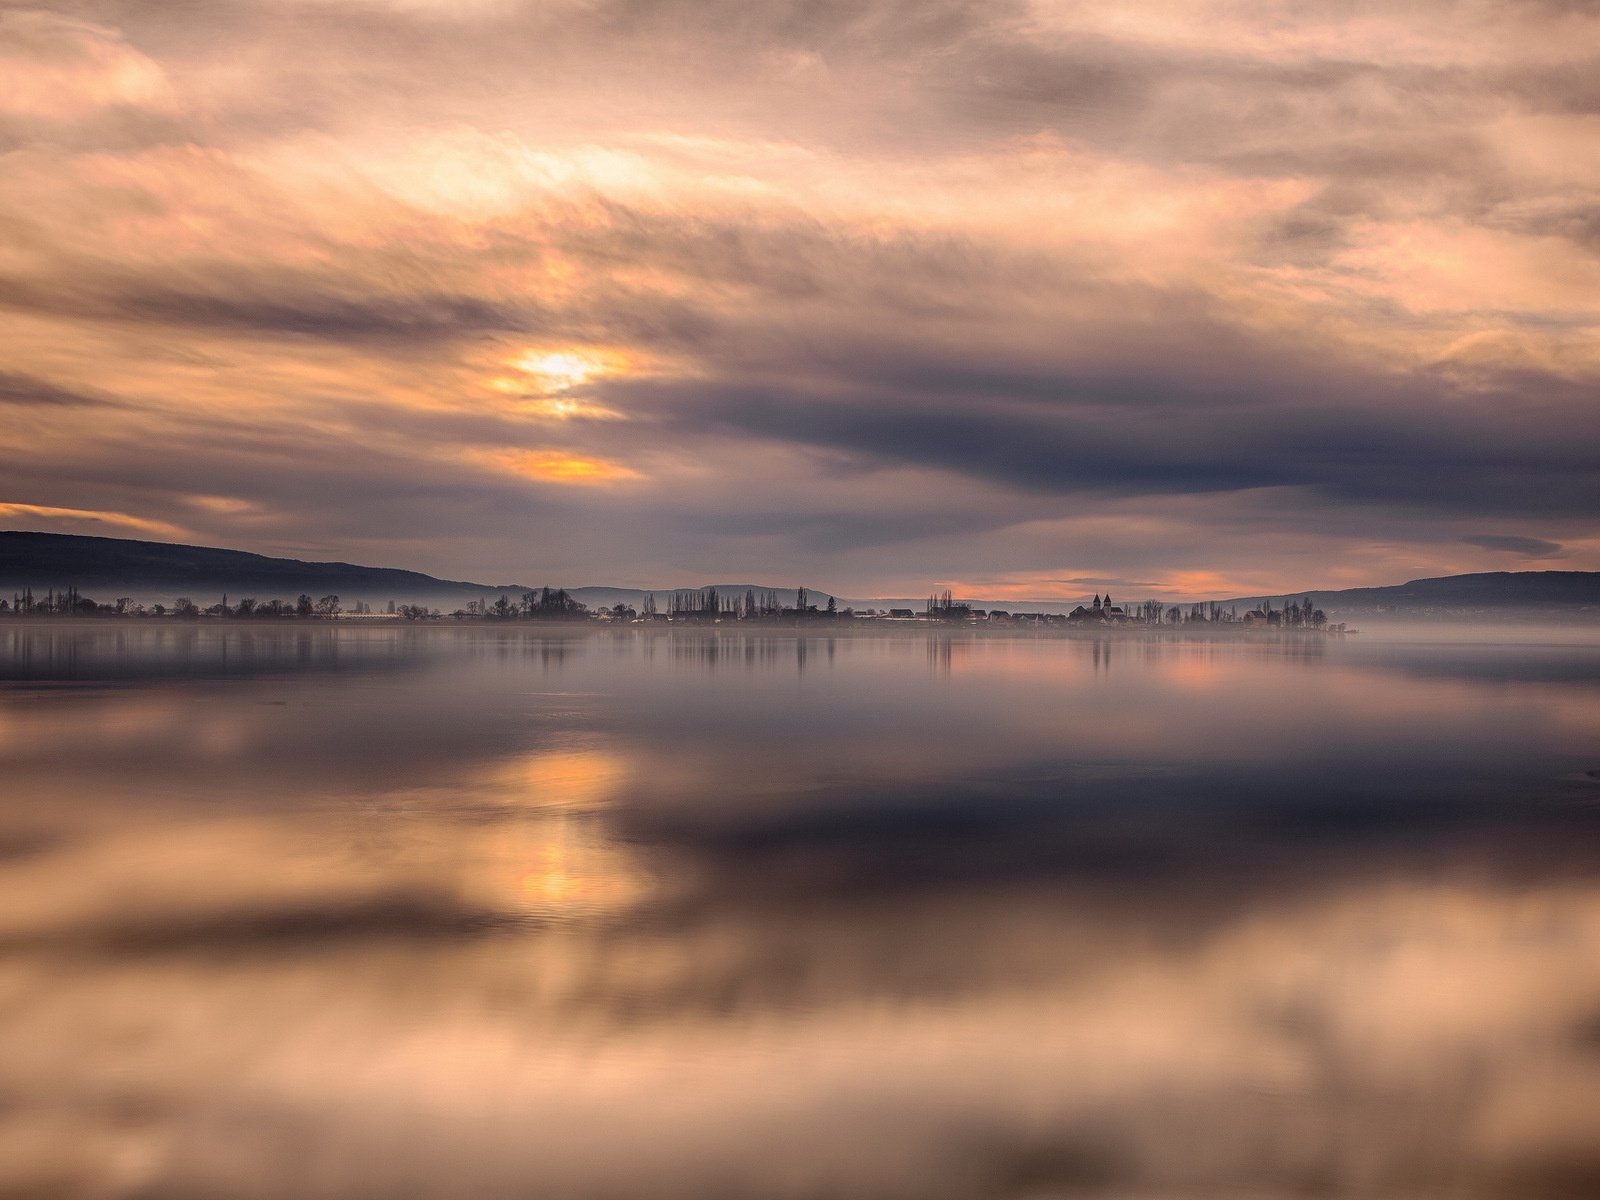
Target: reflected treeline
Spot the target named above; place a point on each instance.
(91, 650)
(754, 651)
(49, 653)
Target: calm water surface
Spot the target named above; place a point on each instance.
(466, 913)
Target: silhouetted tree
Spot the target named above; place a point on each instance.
(556, 603)
(944, 607)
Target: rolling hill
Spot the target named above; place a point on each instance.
(105, 568)
(1533, 595)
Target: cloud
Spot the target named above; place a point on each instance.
(558, 466)
(24, 391)
(280, 308)
(76, 518)
(59, 69)
(1528, 547)
(1135, 295)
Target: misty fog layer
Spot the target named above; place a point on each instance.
(472, 913)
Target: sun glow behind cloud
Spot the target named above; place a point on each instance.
(553, 383)
(561, 370)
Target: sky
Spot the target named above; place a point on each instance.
(1175, 298)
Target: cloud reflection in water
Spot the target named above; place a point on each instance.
(472, 914)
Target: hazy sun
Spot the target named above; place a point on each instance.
(559, 370)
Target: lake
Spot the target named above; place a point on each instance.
(465, 912)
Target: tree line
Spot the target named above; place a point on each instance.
(688, 605)
(70, 602)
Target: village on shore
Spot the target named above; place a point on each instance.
(703, 606)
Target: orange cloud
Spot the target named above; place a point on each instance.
(98, 516)
(556, 466)
(61, 69)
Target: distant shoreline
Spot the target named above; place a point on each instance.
(822, 628)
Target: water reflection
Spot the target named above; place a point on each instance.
(467, 912)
